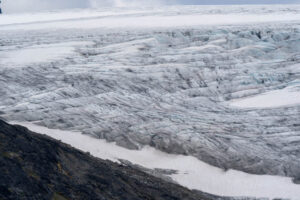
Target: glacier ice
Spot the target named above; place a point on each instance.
(169, 88)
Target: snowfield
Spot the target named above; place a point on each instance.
(38, 54)
(164, 17)
(190, 172)
(287, 96)
(220, 84)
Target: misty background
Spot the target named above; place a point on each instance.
(13, 6)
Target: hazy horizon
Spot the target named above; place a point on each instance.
(40, 5)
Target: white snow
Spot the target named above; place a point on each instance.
(287, 96)
(165, 17)
(38, 54)
(74, 14)
(192, 173)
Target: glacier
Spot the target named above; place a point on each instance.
(189, 80)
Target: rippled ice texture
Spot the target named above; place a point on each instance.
(168, 86)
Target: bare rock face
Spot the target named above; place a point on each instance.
(36, 167)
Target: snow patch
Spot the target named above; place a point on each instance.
(38, 54)
(287, 96)
(192, 173)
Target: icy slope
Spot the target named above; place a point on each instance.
(170, 88)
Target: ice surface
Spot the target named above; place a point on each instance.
(164, 17)
(166, 87)
(191, 172)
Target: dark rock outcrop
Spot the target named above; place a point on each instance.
(34, 166)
